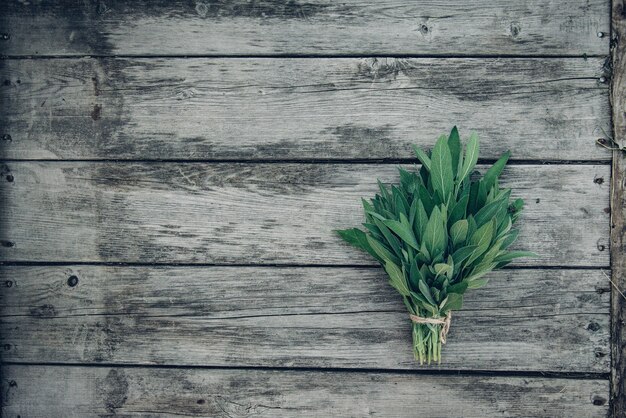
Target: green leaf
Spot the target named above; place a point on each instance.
(481, 238)
(471, 226)
(436, 294)
(487, 212)
(424, 255)
(421, 300)
(421, 155)
(473, 198)
(403, 230)
(510, 239)
(453, 302)
(461, 255)
(381, 251)
(458, 210)
(384, 193)
(458, 232)
(435, 236)
(443, 269)
(407, 180)
(459, 288)
(510, 255)
(414, 276)
(481, 198)
(470, 159)
(392, 241)
(454, 143)
(357, 238)
(495, 170)
(424, 174)
(425, 198)
(413, 211)
(420, 222)
(425, 290)
(367, 206)
(441, 169)
(402, 206)
(477, 284)
(396, 278)
(373, 230)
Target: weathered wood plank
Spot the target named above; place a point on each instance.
(543, 320)
(618, 213)
(185, 27)
(38, 391)
(226, 213)
(541, 109)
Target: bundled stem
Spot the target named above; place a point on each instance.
(428, 336)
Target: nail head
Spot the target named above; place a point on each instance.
(602, 79)
(600, 34)
(72, 281)
(7, 137)
(6, 36)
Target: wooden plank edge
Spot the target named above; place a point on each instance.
(618, 211)
(89, 391)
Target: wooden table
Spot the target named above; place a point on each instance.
(172, 173)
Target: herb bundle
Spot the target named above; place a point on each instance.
(438, 233)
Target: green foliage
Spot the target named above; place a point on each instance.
(439, 231)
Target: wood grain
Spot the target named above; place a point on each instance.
(541, 320)
(86, 392)
(233, 213)
(311, 27)
(295, 109)
(618, 213)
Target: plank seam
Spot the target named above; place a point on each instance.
(425, 372)
(320, 161)
(307, 56)
(9, 263)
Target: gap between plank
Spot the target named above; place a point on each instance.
(17, 263)
(328, 161)
(427, 372)
(312, 56)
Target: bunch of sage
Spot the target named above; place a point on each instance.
(438, 232)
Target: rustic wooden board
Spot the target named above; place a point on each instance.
(618, 213)
(225, 213)
(542, 320)
(198, 109)
(312, 27)
(36, 391)
(80, 391)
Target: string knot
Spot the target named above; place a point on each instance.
(435, 321)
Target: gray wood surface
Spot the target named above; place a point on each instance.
(528, 319)
(165, 27)
(374, 108)
(232, 213)
(618, 214)
(40, 391)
